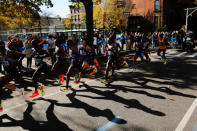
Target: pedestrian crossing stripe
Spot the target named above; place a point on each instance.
(186, 54)
(183, 53)
(191, 56)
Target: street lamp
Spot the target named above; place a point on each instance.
(189, 14)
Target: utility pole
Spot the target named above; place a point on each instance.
(188, 14)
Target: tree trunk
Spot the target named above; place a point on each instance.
(88, 4)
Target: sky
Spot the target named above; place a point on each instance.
(60, 7)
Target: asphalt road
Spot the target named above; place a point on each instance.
(157, 97)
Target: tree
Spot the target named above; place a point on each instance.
(115, 16)
(67, 23)
(88, 4)
(83, 18)
(15, 13)
(98, 16)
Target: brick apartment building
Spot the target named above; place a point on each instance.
(151, 10)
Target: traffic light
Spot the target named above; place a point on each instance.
(120, 22)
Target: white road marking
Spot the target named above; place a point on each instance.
(109, 124)
(183, 53)
(192, 56)
(187, 116)
(195, 128)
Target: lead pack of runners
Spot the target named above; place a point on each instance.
(75, 57)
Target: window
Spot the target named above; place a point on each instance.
(156, 5)
(134, 6)
(156, 21)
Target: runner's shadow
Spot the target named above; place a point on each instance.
(179, 69)
(6, 94)
(128, 89)
(110, 95)
(143, 85)
(29, 123)
(90, 110)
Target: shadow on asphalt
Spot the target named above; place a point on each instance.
(90, 110)
(29, 123)
(143, 85)
(111, 95)
(180, 73)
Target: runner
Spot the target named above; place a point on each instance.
(60, 57)
(9, 58)
(74, 60)
(162, 48)
(52, 47)
(84, 52)
(39, 55)
(28, 52)
(138, 53)
(111, 51)
(146, 43)
(21, 49)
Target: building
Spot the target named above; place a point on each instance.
(48, 24)
(151, 10)
(75, 17)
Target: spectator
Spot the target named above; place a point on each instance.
(52, 47)
(28, 52)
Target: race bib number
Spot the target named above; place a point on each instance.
(5, 62)
(38, 61)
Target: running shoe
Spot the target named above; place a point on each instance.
(93, 73)
(105, 81)
(41, 90)
(95, 70)
(76, 82)
(165, 62)
(97, 64)
(75, 78)
(59, 81)
(34, 94)
(1, 108)
(133, 70)
(62, 78)
(64, 89)
(126, 65)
